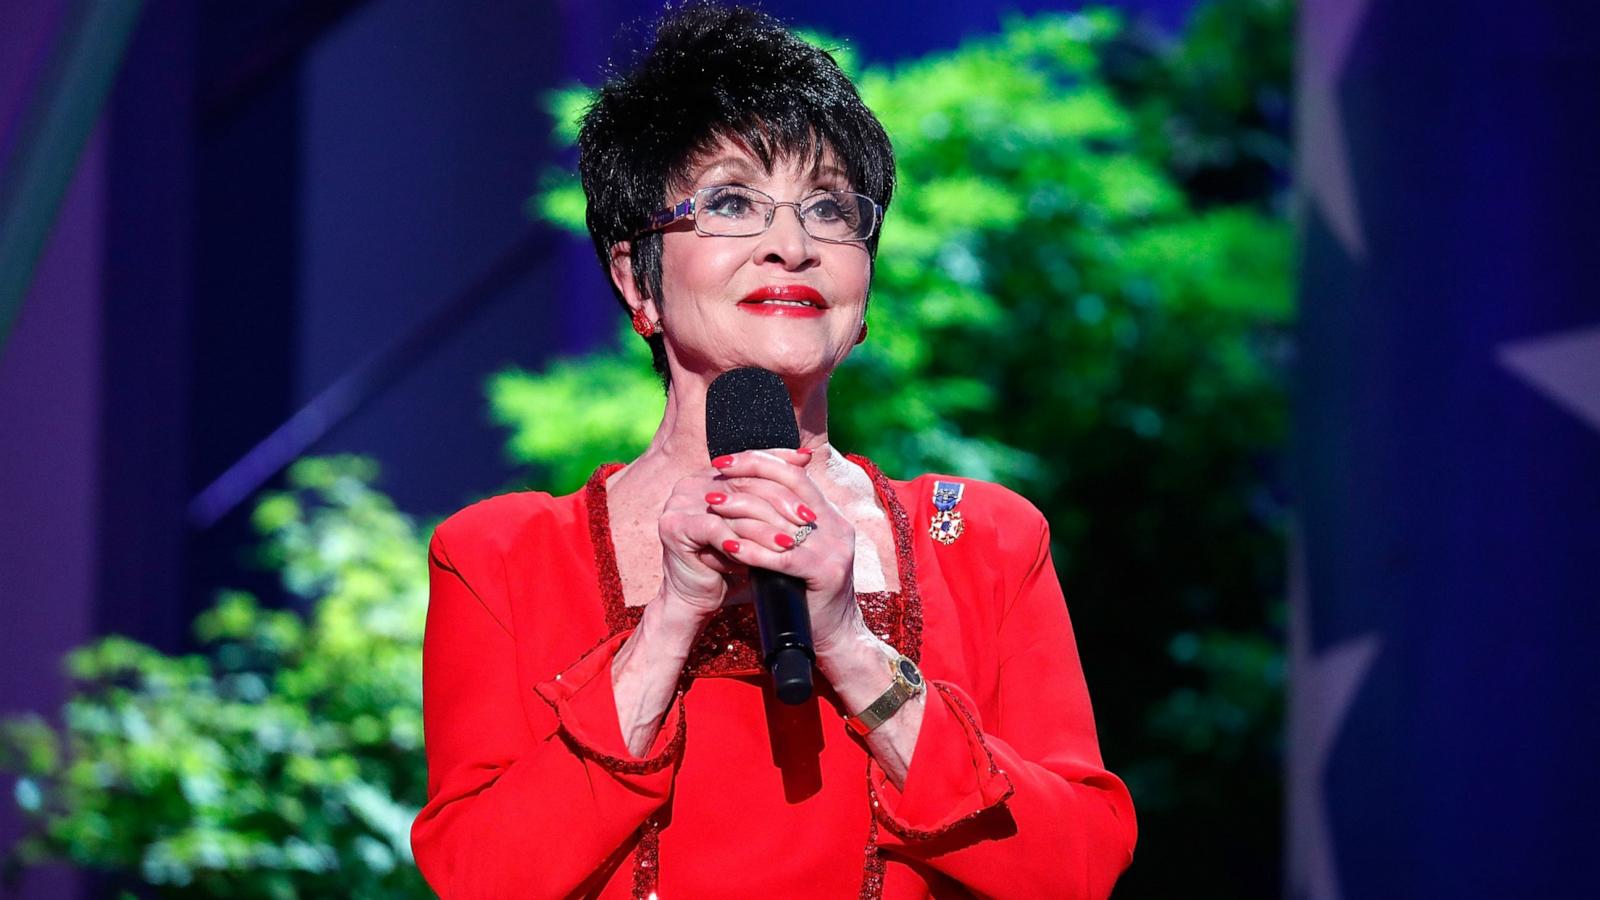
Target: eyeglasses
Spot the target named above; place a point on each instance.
(733, 210)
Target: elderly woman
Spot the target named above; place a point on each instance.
(598, 720)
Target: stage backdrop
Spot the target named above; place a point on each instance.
(1445, 711)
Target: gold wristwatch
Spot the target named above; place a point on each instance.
(907, 684)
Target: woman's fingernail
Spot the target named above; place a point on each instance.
(730, 546)
(716, 497)
(722, 462)
(784, 541)
(805, 513)
(806, 450)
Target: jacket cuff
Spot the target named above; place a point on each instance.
(953, 777)
(585, 706)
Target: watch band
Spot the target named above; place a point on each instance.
(907, 684)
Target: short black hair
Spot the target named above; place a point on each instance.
(716, 72)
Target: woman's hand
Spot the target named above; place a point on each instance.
(695, 565)
(763, 498)
(750, 515)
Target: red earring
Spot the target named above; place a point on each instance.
(642, 324)
(862, 337)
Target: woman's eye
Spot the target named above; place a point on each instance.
(728, 204)
(833, 209)
(826, 209)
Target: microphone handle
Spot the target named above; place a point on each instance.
(785, 624)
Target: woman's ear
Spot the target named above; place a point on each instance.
(622, 277)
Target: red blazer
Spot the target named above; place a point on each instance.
(532, 792)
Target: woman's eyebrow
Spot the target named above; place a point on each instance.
(830, 178)
(733, 166)
(740, 169)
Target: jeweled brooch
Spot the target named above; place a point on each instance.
(946, 524)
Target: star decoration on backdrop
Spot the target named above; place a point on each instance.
(1327, 30)
(1564, 367)
(1321, 689)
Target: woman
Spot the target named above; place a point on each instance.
(597, 720)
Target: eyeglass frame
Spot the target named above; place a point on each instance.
(685, 209)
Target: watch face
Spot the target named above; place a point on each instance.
(908, 670)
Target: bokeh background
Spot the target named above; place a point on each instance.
(1284, 314)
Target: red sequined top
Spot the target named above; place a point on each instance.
(533, 793)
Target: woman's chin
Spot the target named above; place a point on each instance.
(812, 362)
(801, 359)
(791, 368)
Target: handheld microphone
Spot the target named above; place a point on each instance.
(749, 409)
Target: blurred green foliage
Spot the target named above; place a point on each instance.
(1082, 291)
(286, 761)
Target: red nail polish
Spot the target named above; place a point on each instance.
(716, 497)
(722, 462)
(784, 541)
(806, 450)
(805, 513)
(730, 546)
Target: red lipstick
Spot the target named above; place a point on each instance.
(793, 301)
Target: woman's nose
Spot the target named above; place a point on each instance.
(786, 241)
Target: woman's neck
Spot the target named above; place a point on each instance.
(679, 444)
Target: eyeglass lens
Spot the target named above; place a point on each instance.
(734, 211)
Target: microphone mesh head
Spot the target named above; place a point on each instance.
(749, 409)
